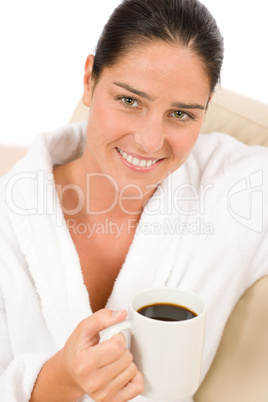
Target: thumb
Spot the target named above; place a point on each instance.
(100, 320)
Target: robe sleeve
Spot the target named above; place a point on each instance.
(17, 376)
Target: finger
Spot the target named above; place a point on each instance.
(109, 392)
(103, 354)
(90, 327)
(109, 372)
(111, 350)
(121, 381)
(134, 388)
(101, 382)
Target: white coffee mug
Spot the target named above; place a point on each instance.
(168, 353)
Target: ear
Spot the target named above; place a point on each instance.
(211, 96)
(88, 82)
(209, 99)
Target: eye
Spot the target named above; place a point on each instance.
(180, 115)
(129, 101)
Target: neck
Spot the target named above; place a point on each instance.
(94, 196)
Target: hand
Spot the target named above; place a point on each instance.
(105, 371)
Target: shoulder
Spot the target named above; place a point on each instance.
(20, 186)
(8, 239)
(218, 153)
(221, 161)
(53, 147)
(227, 147)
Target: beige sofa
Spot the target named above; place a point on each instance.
(239, 372)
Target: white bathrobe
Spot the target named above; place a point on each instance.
(205, 230)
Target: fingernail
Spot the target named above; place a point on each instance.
(116, 314)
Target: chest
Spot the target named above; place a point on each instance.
(101, 255)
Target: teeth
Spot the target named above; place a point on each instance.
(136, 161)
(142, 163)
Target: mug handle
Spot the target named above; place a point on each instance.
(107, 333)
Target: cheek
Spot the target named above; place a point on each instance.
(101, 124)
(108, 122)
(183, 143)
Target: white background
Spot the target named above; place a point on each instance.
(44, 45)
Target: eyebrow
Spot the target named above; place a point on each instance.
(179, 105)
(134, 90)
(176, 105)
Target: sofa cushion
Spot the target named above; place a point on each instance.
(237, 115)
(239, 371)
(8, 156)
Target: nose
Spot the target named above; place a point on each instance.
(150, 134)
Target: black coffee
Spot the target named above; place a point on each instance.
(167, 312)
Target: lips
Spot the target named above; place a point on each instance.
(136, 161)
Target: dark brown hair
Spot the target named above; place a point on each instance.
(187, 23)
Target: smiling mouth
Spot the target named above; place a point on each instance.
(137, 162)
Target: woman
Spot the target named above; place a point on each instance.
(133, 199)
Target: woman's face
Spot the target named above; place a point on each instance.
(145, 115)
